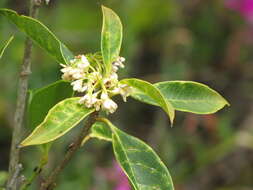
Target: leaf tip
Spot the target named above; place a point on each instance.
(21, 145)
(227, 103)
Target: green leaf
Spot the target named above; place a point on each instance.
(192, 97)
(144, 90)
(101, 131)
(43, 99)
(189, 96)
(60, 119)
(5, 46)
(40, 34)
(111, 37)
(141, 164)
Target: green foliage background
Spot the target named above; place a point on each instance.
(163, 40)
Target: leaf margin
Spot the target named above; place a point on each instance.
(25, 142)
(6, 44)
(64, 58)
(166, 105)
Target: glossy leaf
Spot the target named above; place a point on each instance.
(60, 119)
(5, 46)
(192, 96)
(43, 99)
(111, 37)
(40, 34)
(189, 96)
(141, 164)
(144, 90)
(101, 131)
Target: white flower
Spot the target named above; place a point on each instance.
(85, 60)
(79, 86)
(66, 72)
(115, 90)
(109, 105)
(74, 71)
(66, 69)
(114, 77)
(89, 100)
(104, 96)
(124, 91)
(77, 75)
(97, 104)
(83, 63)
(121, 59)
(119, 62)
(94, 76)
(111, 81)
(72, 61)
(66, 76)
(115, 68)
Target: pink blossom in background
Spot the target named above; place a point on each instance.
(244, 7)
(121, 178)
(115, 175)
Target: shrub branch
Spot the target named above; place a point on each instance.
(13, 180)
(50, 182)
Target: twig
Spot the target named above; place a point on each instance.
(36, 172)
(49, 183)
(16, 174)
(12, 183)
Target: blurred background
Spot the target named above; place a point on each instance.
(208, 41)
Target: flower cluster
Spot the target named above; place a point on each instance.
(87, 77)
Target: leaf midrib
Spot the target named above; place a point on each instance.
(127, 159)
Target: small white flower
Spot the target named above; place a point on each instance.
(124, 91)
(83, 63)
(111, 81)
(109, 105)
(104, 96)
(94, 76)
(97, 104)
(78, 86)
(115, 68)
(121, 65)
(89, 100)
(121, 59)
(85, 60)
(78, 75)
(72, 61)
(74, 71)
(115, 90)
(114, 77)
(66, 72)
(66, 76)
(119, 62)
(66, 69)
